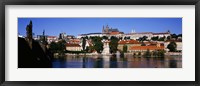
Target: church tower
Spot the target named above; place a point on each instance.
(168, 31)
(103, 30)
(107, 29)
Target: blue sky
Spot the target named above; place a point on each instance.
(75, 26)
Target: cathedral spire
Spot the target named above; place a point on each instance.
(133, 31)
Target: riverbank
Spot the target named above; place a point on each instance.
(97, 54)
(83, 54)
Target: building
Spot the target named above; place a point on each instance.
(159, 35)
(70, 36)
(107, 29)
(143, 49)
(92, 35)
(52, 39)
(178, 43)
(42, 38)
(136, 35)
(116, 34)
(164, 34)
(74, 41)
(73, 47)
(62, 35)
(128, 43)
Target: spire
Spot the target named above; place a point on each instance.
(133, 31)
(43, 32)
(168, 31)
(30, 22)
(29, 33)
(103, 29)
(107, 26)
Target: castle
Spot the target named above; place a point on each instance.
(109, 30)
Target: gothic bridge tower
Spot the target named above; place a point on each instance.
(29, 35)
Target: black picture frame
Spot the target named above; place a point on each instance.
(98, 2)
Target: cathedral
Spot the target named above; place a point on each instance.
(107, 29)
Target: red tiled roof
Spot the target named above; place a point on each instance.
(150, 42)
(75, 40)
(128, 42)
(51, 37)
(72, 45)
(146, 47)
(115, 33)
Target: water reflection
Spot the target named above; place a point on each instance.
(117, 62)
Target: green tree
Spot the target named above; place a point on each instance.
(87, 49)
(127, 37)
(113, 44)
(155, 53)
(154, 38)
(53, 47)
(179, 35)
(147, 53)
(83, 42)
(174, 36)
(172, 46)
(168, 37)
(125, 48)
(104, 37)
(144, 38)
(61, 46)
(98, 45)
(139, 53)
(161, 53)
(58, 47)
(86, 37)
(161, 39)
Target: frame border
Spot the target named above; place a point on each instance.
(98, 2)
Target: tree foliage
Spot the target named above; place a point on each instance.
(162, 38)
(125, 38)
(83, 43)
(147, 53)
(154, 38)
(104, 37)
(125, 48)
(172, 46)
(58, 47)
(98, 45)
(144, 38)
(113, 44)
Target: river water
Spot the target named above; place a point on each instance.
(117, 62)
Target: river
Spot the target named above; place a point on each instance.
(117, 62)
